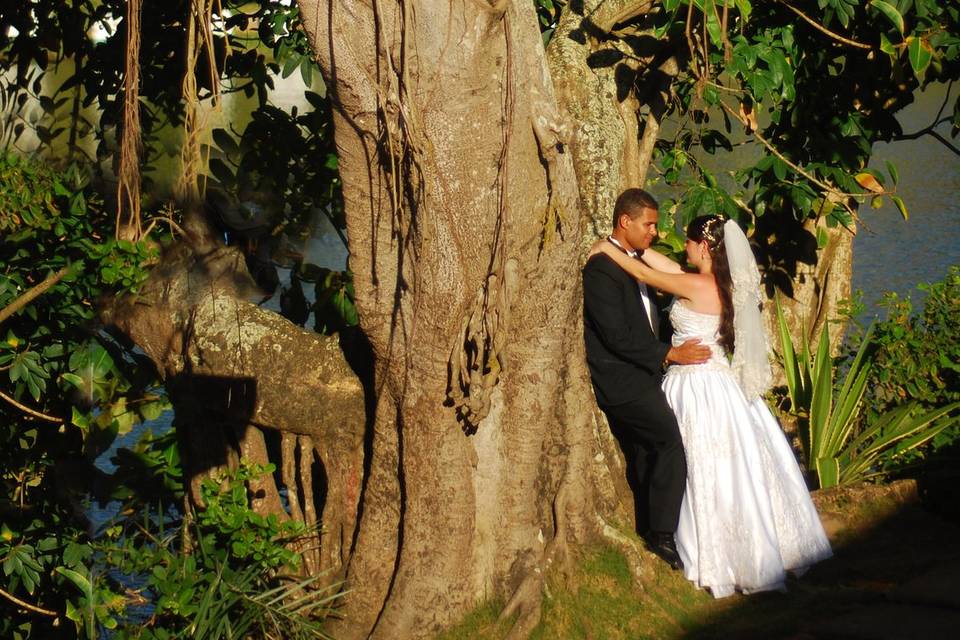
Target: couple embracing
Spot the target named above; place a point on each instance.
(720, 494)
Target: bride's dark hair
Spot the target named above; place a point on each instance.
(710, 228)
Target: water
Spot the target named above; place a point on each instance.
(891, 254)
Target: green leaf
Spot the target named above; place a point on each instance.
(290, 65)
(78, 579)
(306, 71)
(225, 141)
(920, 54)
(892, 170)
(822, 238)
(779, 169)
(821, 402)
(901, 207)
(222, 172)
(890, 11)
(714, 30)
(745, 8)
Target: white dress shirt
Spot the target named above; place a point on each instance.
(644, 292)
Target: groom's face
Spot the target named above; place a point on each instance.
(641, 231)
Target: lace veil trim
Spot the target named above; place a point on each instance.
(750, 363)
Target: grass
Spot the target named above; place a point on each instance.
(599, 599)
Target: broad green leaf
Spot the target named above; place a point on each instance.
(890, 11)
(225, 141)
(714, 29)
(306, 71)
(290, 65)
(822, 238)
(221, 172)
(920, 54)
(779, 169)
(828, 471)
(78, 579)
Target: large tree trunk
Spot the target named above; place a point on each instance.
(465, 226)
(807, 281)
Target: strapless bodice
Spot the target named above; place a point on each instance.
(689, 324)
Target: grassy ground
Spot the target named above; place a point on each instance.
(882, 536)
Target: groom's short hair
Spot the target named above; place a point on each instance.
(632, 202)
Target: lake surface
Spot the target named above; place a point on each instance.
(894, 255)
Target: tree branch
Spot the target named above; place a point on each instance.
(28, 296)
(946, 143)
(629, 12)
(830, 189)
(26, 605)
(930, 131)
(27, 410)
(819, 27)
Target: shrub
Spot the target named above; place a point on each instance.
(918, 356)
(842, 443)
(64, 396)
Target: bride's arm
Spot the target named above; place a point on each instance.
(685, 285)
(661, 262)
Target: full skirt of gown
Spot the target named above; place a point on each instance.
(747, 517)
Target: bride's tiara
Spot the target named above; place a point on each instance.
(713, 230)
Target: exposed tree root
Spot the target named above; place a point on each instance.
(527, 604)
(631, 549)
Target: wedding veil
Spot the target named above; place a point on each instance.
(750, 364)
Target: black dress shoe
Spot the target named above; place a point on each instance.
(662, 544)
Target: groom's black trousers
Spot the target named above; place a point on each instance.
(647, 430)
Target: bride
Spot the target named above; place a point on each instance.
(746, 517)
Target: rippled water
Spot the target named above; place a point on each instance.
(894, 255)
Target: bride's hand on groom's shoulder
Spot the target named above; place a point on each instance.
(598, 247)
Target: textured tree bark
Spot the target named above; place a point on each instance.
(808, 282)
(236, 373)
(464, 221)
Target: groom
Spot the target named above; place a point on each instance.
(626, 359)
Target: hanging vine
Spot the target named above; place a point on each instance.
(475, 362)
(128, 226)
(199, 39)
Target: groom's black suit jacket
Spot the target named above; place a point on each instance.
(624, 355)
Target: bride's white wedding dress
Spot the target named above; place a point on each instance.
(747, 517)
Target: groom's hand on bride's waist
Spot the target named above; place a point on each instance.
(690, 352)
